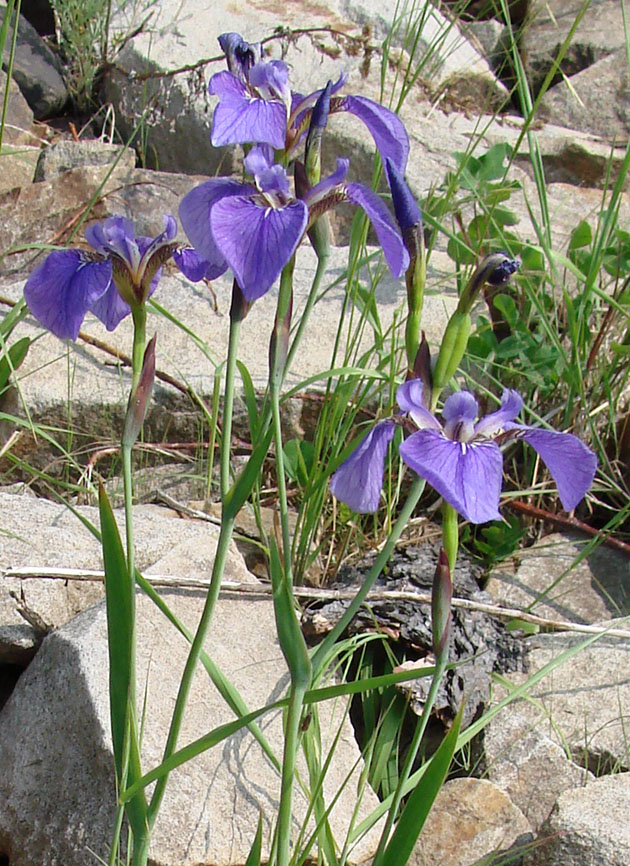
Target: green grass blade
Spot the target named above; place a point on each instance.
(421, 800)
(11, 360)
(253, 858)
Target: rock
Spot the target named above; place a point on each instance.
(470, 819)
(56, 539)
(178, 122)
(18, 166)
(583, 704)
(63, 156)
(595, 589)
(588, 826)
(36, 70)
(599, 34)
(528, 766)
(18, 644)
(596, 100)
(18, 121)
(212, 804)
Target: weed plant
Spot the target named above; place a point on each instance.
(558, 333)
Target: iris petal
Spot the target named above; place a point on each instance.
(511, 405)
(256, 241)
(387, 233)
(240, 119)
(467, 476)
(194, 214)
(571, 463)
(410, 398)
(459, 406)
(386, 128)
(110, 307)
(60, 290)
(191, 264)
(359, 479)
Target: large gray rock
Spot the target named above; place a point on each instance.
(470, 819)
(39, 533)
(596, 100)
(178, 122)
(588, 826)
(36, 70)
(63, 156)
(528, 766)
(584, 703)
(55, 737)
(547, 580)
(599, 34)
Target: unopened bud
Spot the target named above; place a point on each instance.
(313, 146)
(140, 396)
(441, 597)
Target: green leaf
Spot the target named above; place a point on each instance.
(253, 858)
(244, 484)
(508, 309)
(581, 236)
(120, 620)
(12, 360)
(250, 398)
(12, 318)
(299, 457)
(420, 801)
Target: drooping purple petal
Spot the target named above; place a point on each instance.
(410, 398)
(61, 289)
(386, 128)
(256, 241)
(241, 119)
(191, 264)
(571, 463)
(359, 479)
(468, 476)
(110, 307)
(511, 405)
(301, 103)
(389, 238)
(120, 235)
(406, 208)
(194, 214)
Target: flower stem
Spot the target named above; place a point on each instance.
(139, 315)
(236, 317)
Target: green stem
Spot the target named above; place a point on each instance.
(139, 315)
(291, 743)
(236, 317)
(450, 534)
(140, 849)
(319, 656)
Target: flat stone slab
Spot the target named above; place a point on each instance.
(584, 703)
(548, 580)
(55, 736)
(588, 826)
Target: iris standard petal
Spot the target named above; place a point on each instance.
(571, 463)
(410, 398)
(110, 307)
(468, 476)
(61, 289)
(241, 119)
(194, 214)
(359, 479)
(255, 240)
(389, 238)
(511, 405)
(121, 239)
(459, 406)
(386, 128)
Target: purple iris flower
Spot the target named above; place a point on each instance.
(123, 270)
(257, 105)
(461, 457)
(255, 229)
